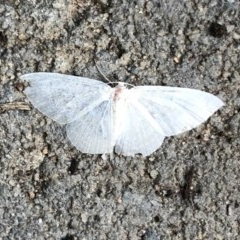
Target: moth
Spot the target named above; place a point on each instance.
(101, 118)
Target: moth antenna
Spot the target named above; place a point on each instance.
(102, 73)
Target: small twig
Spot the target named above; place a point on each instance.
(14, 106)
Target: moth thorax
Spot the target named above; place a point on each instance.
(118, 93)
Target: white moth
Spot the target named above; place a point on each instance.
(100, 118)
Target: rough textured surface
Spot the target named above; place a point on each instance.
(49, 190)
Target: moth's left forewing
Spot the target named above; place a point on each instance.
(177, 110)
(64, 98)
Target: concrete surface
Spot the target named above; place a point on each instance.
(49, 190)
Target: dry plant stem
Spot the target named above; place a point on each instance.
(14, 106)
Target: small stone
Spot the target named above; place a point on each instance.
(45, 150)
(31, 195)
(153, 174)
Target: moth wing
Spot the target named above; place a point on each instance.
(64, 98)
(176, 110)
(93, 132)
(137, 134)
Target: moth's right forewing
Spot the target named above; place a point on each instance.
(177, 110)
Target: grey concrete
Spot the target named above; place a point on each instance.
(49, 190)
